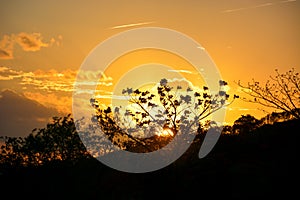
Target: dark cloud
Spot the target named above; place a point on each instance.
(19, 115)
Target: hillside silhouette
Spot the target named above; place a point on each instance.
(252, 164)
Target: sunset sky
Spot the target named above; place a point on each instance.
(44, 43)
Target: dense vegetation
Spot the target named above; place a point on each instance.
(255, 163)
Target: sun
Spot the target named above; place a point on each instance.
(165, 133)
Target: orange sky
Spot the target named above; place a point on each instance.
(44, 43)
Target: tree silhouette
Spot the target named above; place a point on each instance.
(59, 141)
(227, 130)
(245, 124)
(154, 118)
(280, 92)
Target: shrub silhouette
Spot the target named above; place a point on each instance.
(59, 141)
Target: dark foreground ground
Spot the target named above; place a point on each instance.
(257, 165)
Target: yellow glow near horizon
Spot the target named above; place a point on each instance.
(121, 66)
(133, 60)
(165, 133)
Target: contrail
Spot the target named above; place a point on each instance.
(246, 8)
(257, 6)
(131, 25)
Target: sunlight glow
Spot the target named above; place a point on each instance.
(165, 133)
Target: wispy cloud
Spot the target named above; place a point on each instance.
(50, 80)
(7, 73)
(257, 6)
(30, 42)
(240, 109)
(131, 25)
(91, 78)
(27, 41)
(117, 97)
(53, 88)
(202, 48)
(53, 80)
(180, 71)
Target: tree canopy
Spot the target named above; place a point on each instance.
(59, 141)
(154, 118)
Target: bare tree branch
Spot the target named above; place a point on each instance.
(280, 92)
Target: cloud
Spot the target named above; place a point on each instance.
(92, 75)
(52, 88)
(19, 115)
(57, 42)
(131, 25)
(116, 97)
(27, 41)
(7, 73)
(6, 48)
(202, 48)
(87, 81)
(240, 109)
(180, 71)
(63, 104)
(104, 78)
(93, 91)
(4, 54)
(50, 80)
(30, 42)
